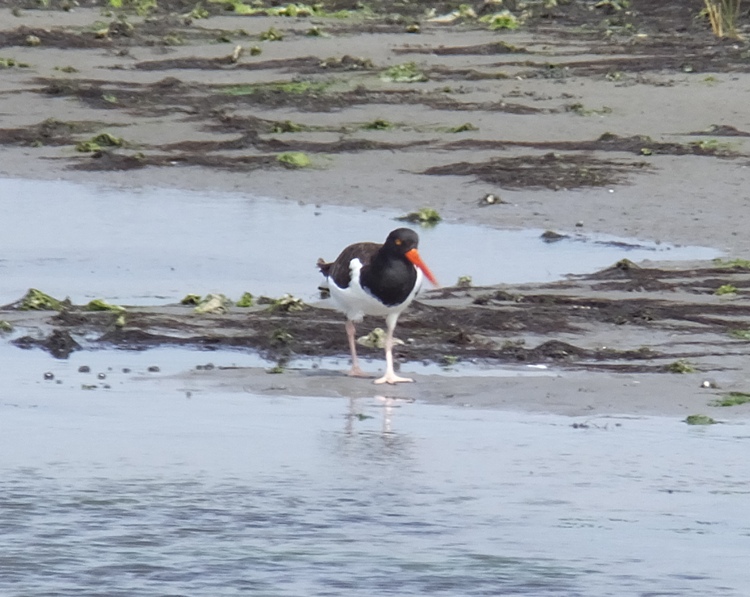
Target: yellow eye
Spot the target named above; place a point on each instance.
(398, 241)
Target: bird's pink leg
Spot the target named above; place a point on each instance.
(390, 375)
(355, 371)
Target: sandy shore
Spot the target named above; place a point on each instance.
(581, 394)
(639, 131)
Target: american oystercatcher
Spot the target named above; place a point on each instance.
(373, 279)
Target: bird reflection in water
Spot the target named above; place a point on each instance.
(361, 439)
(388, 403)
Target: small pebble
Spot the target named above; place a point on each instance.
(491, 199)
(84, 369)
(126, 370)
(153, 369)
(49, 375)
(102, 376)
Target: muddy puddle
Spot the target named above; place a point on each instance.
(154, 246)
(159, 487)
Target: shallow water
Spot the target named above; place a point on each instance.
(146, 486)
(154, 246)
(154, 488)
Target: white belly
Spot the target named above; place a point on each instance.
(356, 302)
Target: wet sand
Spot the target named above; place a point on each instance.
(638, 131)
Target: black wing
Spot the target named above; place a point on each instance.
(340, 270)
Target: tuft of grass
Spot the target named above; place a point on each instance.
(290, 87)
(172, 40)
(464, 11)
(723, 16)
(613, 5)
(501, 20)
(246, 300)
(463, 128)
(12, 63)
(425, 216)
(732, 263)
(379, 124)
(700, 420)
(141, 7)
(213, 303)
(272, 34)
(5, 327)
(376, 339)
(581, 110)
(280, 337)
(108, 140)
(36, 300)
(294, 159)
(102, 305)
(404, 73)
(292, 10)
(285, 304)
(287, 126)
(713, 146)
(101, 140)
(725, 289)
(732, 399)
(681, 366)
(236, 6)
(191, 299)
(199, 12)
(740, 334)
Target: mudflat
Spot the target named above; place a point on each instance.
(599, 117)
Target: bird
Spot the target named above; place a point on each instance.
(377, 279)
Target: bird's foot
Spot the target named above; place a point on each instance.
(392, 379)
(357, 372)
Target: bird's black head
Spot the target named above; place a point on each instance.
(401, 241)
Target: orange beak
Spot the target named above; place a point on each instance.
(413, 256)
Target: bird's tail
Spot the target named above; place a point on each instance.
(325, 268)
